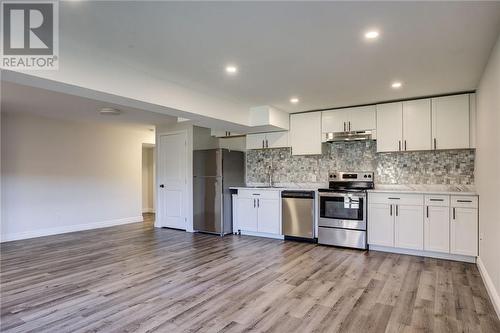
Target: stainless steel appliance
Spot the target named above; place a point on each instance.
(214, 171)
(298, 214)
(342, 209)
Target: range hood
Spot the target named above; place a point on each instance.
(348, 136)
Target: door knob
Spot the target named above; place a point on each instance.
(162, 186)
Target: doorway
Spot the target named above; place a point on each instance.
(148, 182)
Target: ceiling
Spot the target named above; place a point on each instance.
(313, 50)
(30, 100)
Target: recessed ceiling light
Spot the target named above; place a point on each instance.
(396, 85)
(109, 111)
(230, 69)
(372, 34)
(294, 100)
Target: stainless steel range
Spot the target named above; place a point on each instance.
(342, 209)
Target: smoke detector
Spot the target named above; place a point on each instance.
(110, 112)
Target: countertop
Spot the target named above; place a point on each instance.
(379, 188)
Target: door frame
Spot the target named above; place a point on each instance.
(188, 202)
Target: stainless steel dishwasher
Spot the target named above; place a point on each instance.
(298, 215)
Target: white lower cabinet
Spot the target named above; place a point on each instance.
(437, 229)
(463, 231)
(435, 223)
(268, 216)
(380, 224)
(258, 211)
(247, 214)
(409, 227)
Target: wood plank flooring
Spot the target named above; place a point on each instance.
(135, 278)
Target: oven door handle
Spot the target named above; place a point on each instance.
(338, 195)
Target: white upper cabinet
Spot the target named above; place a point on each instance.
(417, 125)
(450, 122)
(305, 133)
(363, 118)
(349, 119)
(277, 139)
(267, 140)
(389, 127)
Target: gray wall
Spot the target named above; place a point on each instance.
(454, 167)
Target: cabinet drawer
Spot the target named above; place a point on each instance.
(255, 193)
(465, 201)
(396, 198)
(437, 200)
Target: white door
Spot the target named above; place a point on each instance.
(246, 214)
(437, 229)
(450, 122)
(463, 231)
(389, 127)
(334, 121)
(305, 133)
(277, 140)
(172, 181)
(268, 219)
(255, 141)
(417, 125)
(409, 227)
(380, 224)
(362, 118)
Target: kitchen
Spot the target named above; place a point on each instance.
(395, 177)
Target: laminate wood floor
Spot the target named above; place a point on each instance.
(135, 278)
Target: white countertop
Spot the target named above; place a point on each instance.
(426, 189)
(379, 188)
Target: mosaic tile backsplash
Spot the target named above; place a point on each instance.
(450, 167)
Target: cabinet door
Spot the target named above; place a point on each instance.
(417, 125)
(362, 118)
(437, 229)
(305, 133)
(463, 231)
(380, 225)
(389, 127)
(255, 141)
(268, 216)
(334, 121)
(409, 227)
(246, 214)
(277, 139)
(450, 122)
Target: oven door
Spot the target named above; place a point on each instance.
(342, 210)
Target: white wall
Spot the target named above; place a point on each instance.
(60, 176)
(148, 187)
(487, 169)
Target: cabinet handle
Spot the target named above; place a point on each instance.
(399, 145)
(390, 210)
(396, 210)
(267, 144)
(263, 144)
(436, 200)
(344, 126)
(390, 198)
(454, 213)
(405, 145)
(464, 200)
(435, 144)
(254, 203)
(349, 126)
(427, 211)
(258, 203)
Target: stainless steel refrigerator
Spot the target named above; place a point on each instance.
(214, 171)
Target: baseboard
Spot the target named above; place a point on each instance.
(437, 255)
(262, 234)
(490, 287)
(70, 228)
(148, 210)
